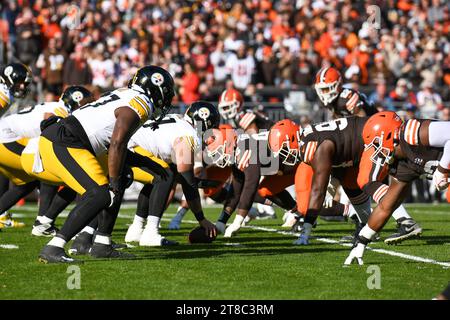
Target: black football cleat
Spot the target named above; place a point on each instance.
(407, 229)
(99, 250)
(52, 254)
(118, 246)
(82, 244)
(167, 242)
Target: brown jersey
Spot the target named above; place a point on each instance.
(345, 133)
(350, 102)
(421, 161)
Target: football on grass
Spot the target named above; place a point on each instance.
(198, 235)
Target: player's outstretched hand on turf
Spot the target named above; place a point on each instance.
(356, 254)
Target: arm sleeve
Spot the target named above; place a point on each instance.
(251, 183)
(232, 199)
(439, 136)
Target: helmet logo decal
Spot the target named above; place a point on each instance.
(77, 96)
(157, 79)
(8, 71)
(204, 113)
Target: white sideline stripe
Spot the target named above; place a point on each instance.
(388, 252)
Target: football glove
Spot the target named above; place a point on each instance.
(356, 253)
(440, 180)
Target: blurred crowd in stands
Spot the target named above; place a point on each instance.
(398, 52)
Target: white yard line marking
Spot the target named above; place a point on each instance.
(9, 246)
(383, 251)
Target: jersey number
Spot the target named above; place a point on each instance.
(339, 124)
(164, 121)
(102, 101)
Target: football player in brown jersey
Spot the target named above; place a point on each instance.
(414, 149)
(335, 148)
(343, 102)
(250, 160)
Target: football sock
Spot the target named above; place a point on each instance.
(107, 217)
(224, 217)
(88, 229)
(57, 242)
(143, 201)
(284, 200)
(14, 194)
(363, 210)
(4, 185)
(60, 201)
(102, 238)
(337, 209)
(400, 212)
(159, 196)
(152, 225)
(181, 212)
(90, 204)
(46, 194)
(44, 219)
(138, 220)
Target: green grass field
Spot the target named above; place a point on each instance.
(255, 264)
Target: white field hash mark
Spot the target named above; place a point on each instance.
(383, 251)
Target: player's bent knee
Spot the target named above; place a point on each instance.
(99, 194)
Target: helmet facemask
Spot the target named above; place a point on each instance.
(220, 157)
(228, 110)
(20, 89)
(327, 92)
(289, 156)
(381, 155)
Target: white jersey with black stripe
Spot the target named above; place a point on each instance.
(160, 142)
(27, 122)
(98, 118)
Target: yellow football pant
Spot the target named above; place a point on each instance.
(10, 163)
(77, 168)
(141, 175)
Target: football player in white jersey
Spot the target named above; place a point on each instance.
(15, 79)
(15, 132)
(178, 142)
(70, 150)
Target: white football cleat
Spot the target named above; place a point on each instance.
(220, 226)
(134, 233)
(290, 219)
(155, 240)
(265, 212)
(43, 229)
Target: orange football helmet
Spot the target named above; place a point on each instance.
(284, 141)
(230, 103)
(220, 146)
(328, 84)
(382, 132)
